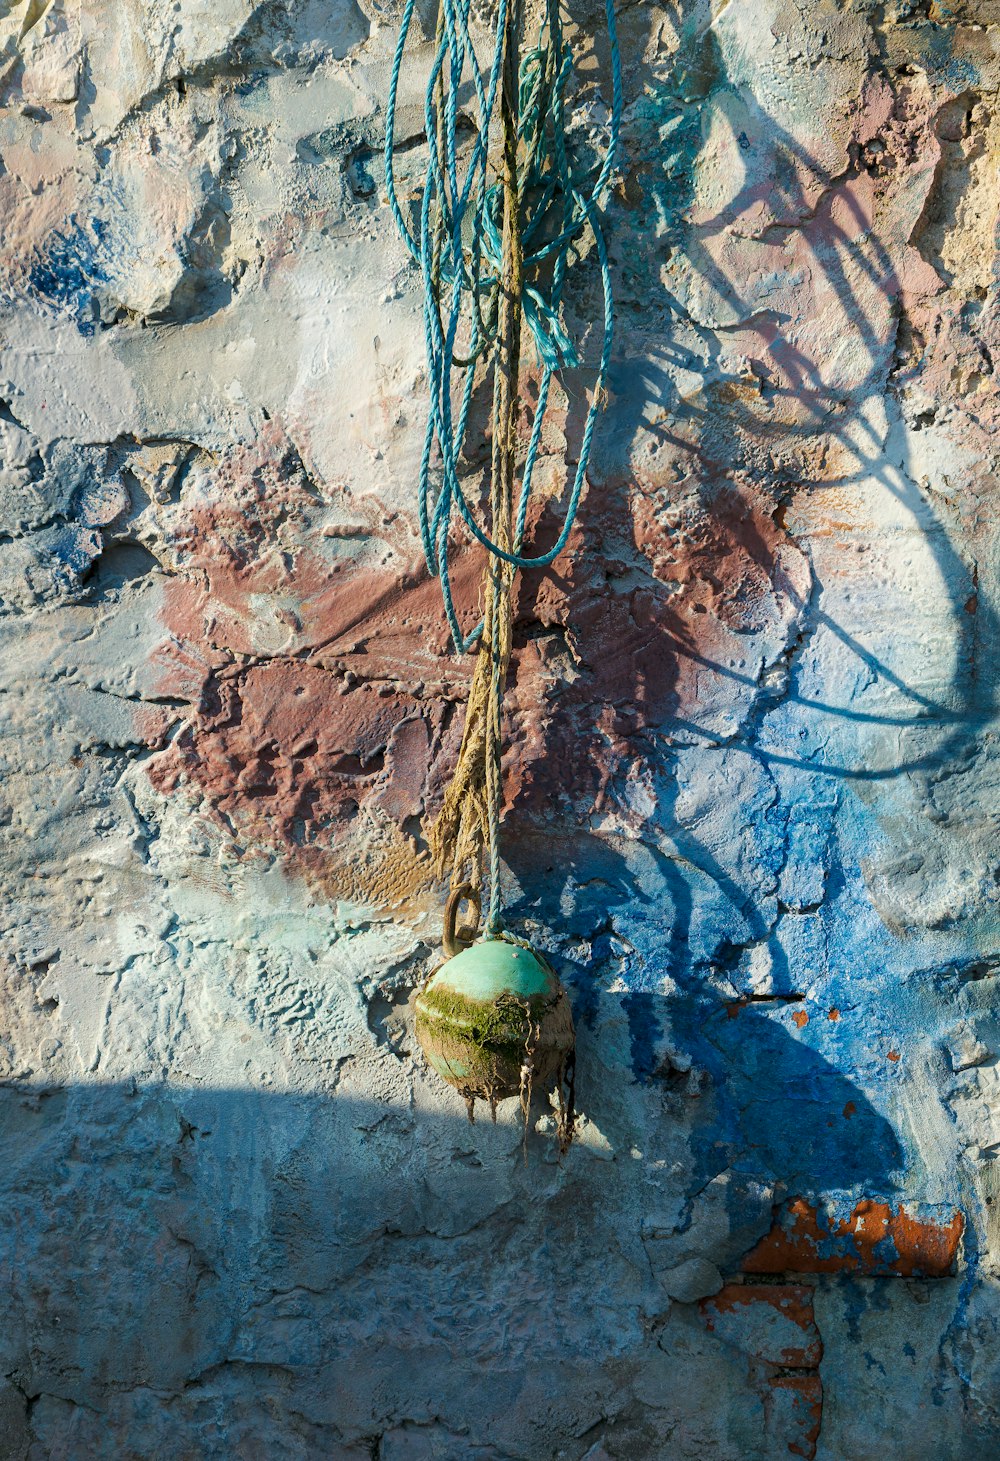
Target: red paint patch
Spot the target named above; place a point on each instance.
(319, 687)
(321, 673)
(287, 752)
(872, 1240)
(671, 625)
(249, 584)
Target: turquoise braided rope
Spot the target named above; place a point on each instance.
(458, 249)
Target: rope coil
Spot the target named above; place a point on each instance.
(494, 255)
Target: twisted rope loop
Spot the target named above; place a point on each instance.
(494, 254)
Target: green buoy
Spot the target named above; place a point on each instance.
(494, 1021)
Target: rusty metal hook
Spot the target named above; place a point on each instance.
(453, 938)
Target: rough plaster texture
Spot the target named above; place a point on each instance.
(753, 766)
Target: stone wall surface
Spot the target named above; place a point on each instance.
(753, 769)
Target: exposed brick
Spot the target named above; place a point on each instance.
(871, 1239)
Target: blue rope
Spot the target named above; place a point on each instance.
(458, 247)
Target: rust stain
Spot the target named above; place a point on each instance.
(774, 1326)
(801, 1018)
(849, 1110)
(750, 1304)
(873, 1239)
(806, 1395)
(893, 1056)
(834, 1014)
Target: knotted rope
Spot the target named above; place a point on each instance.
(491, 255)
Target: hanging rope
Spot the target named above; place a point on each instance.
(493, 254)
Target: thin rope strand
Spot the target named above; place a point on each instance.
(495, 255)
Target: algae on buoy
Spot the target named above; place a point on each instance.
(494, 1020)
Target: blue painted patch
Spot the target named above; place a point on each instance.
(789, 1113)
(644, 1033)
(68, 272)
(74, 548)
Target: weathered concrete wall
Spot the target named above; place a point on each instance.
(753, 768)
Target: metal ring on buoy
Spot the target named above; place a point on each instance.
(456, 939)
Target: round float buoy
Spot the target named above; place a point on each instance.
(494, 1020)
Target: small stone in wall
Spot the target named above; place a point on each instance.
(965, 1049)
(696, 1279)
